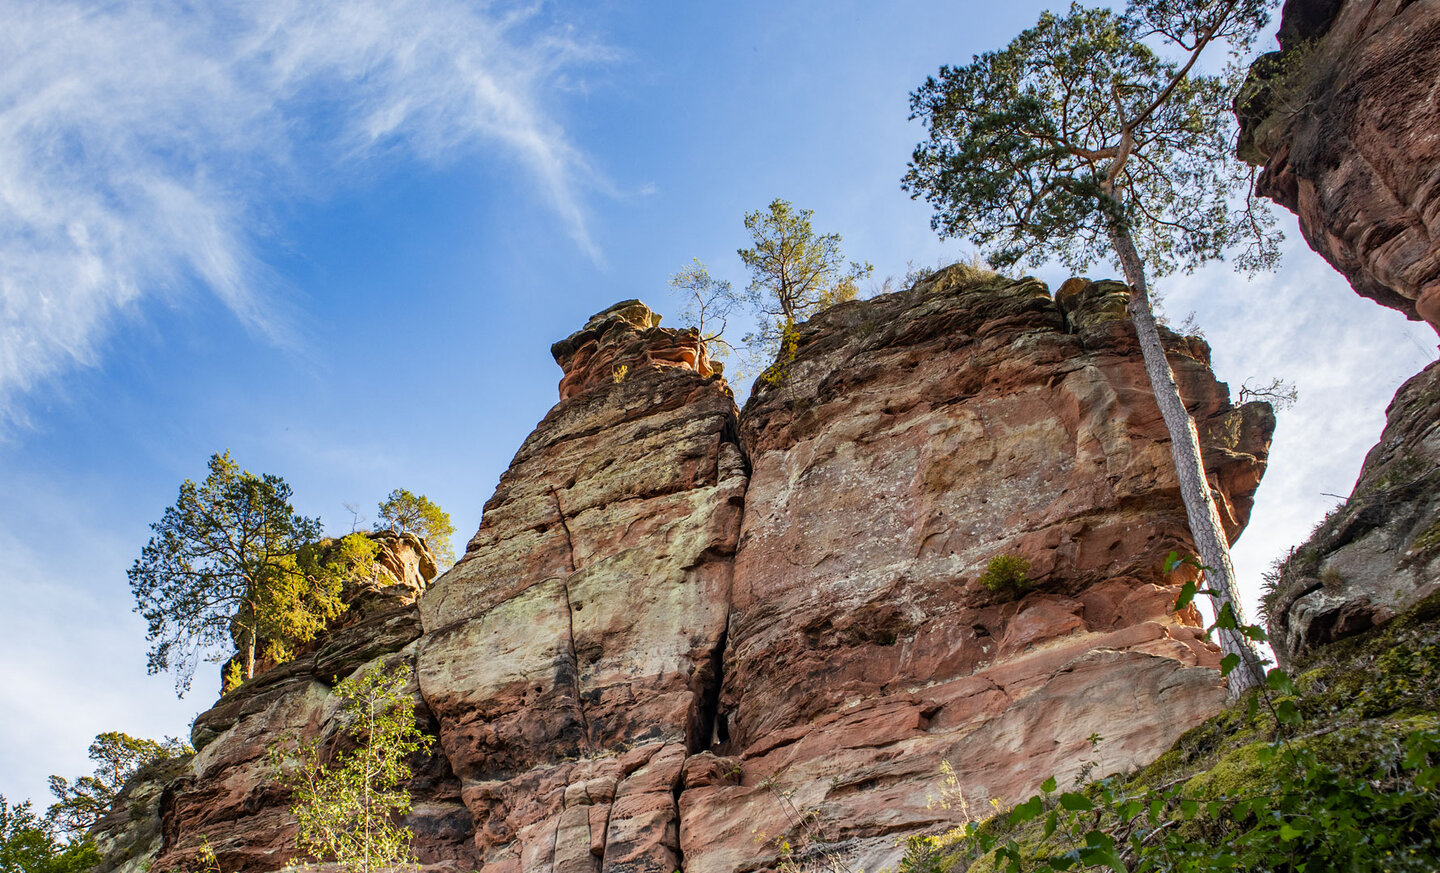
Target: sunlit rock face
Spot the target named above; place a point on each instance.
(1344, 121)
(572, 654)
(684, 636)
(912, 439)
(1378, 553)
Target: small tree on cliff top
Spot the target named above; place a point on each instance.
(794, 272)
(404, 512)
(347, 808)
(1079, 142)
(117, 756)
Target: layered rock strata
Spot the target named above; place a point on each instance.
(572, 654)
(1343, 120)
(686, 638)
(1378, 553)
(912, 439)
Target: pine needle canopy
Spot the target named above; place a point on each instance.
(1036, 148)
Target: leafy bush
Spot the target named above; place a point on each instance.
(1006, 574)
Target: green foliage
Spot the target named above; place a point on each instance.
(347, 808)
(1302, 775)
(1041, 150)
(117, 756)
(1006, 573)
(27, 845)
(222, 568)
(404, 512)
(794, 272)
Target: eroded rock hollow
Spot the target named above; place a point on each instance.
(686, 637)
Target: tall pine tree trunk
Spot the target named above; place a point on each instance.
(1205, 525)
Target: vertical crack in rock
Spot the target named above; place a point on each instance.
(570, 618)
(675, 799)
(705, 730)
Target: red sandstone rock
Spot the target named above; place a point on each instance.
(1344, 122)
(913, 438)
(623, 340)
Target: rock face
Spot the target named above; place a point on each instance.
(686, 638)
(1343, 119)
(572, 653)
(912, 439)
(1378, 553)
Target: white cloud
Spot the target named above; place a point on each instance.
(141, 142)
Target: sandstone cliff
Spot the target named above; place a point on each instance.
(1343, 120)
(686, 637)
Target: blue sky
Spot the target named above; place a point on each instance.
(339, 240)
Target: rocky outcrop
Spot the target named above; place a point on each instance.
(1343, 120)
(572, 653)
(621, 338)
(1378, 553)
(687, 638)
(226, 796)
(912, 439)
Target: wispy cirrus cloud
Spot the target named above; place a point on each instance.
(140, 143)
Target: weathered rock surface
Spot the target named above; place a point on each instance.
(622, 338)
(1378, 553)
(572, 653)
(913, 438)
(664, 651)
(1344, 120)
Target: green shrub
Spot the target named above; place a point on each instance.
(1006, 573)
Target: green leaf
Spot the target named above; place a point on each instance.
(1027, 810)
(1288, 833)
(1229, 663)
(1187, 594)
(1075, 802)
(1278, 680)
(1052, 821)
(1172, 561)
(1048, 785)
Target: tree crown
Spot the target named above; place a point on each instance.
(405, 512)
(118, 756)
(221, 561)
(1035, 149)
(795, 272)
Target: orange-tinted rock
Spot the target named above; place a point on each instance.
(662, 652)
(913, 438)
(623, 340)
(1343, 120)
